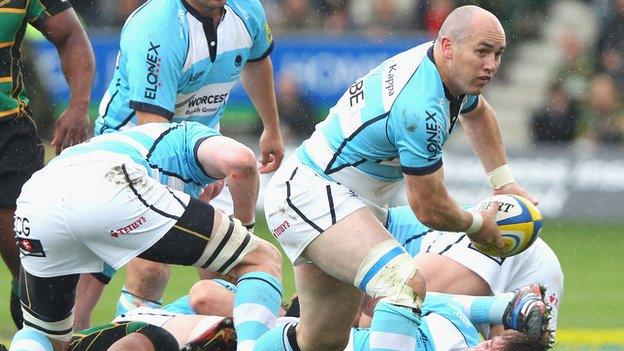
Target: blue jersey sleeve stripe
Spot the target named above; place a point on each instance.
(471, 107)
(145, 107)
(422, 170)
(199, 165)
(263, 56)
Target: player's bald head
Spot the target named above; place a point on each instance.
(464, 20)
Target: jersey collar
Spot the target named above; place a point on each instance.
(447, 92)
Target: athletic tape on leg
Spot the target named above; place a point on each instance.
(384, 273)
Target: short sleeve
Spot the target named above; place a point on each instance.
(470, 103)
(262, 37)
(153, 61)
(39, 11)
(196, 133)
(418, 133)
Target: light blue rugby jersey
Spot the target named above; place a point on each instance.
(394, 120)
(168, 151)
(443, 327)
(167, 65)
(406, 228)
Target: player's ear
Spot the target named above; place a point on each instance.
(446, 46)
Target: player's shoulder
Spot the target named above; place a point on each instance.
(156, 19)
(250, 11)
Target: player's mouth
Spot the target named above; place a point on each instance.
(484, 79)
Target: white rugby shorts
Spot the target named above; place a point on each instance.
(299, 205)
(79, 212)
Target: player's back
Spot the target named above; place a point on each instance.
(167, 152)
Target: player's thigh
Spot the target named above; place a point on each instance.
(328, 306)
(47, 303)
(302, 206)
(341, 248)
(127, 213)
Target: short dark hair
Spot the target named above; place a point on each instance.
(518, 341)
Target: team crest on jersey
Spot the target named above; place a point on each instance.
(238, 61)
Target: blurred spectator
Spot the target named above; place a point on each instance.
(557, 121)
(433, 13)
(576, 68)
(605, 113)
(384, 16)
(297, 15)
(296, 112)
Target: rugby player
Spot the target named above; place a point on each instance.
(179, 60)
(110, 205)
(21, 148)
(451, 264)
(324, 204)
(448, 323)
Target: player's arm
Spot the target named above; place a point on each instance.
(432, 205)
(88, 292)
(222, 157)
(257, 80)
(484, 136)
(66, 33)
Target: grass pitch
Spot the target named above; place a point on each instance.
(591, 255)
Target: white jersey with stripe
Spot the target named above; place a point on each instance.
(172, 62)
(394, 120)
(537, 264)
(168, 151)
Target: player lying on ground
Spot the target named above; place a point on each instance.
(448, 323)
(451, 264)
(110, 206)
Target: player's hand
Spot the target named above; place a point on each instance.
(516, 189)
(489, 235)
(212, 190)
(271, 150)
(71, 128)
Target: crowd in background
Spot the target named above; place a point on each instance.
(584, 103)
(584, 99)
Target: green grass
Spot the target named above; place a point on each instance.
(591, 255)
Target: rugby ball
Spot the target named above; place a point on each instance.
(518, 220)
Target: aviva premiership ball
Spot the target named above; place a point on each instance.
(518, 220)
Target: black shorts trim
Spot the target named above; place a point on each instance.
(145, 107)
(298, 211)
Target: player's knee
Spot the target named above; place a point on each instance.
(233, 250)
(150, 273)
(390, 273)
(210, 298)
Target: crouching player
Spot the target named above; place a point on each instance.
(110, 205)
(451, 264)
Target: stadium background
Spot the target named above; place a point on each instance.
(562, 74)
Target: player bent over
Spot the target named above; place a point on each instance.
(388, 129)
(110, 205)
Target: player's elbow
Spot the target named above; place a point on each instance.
(241, 163)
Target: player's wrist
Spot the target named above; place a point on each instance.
(500, 177)
(476, 223)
